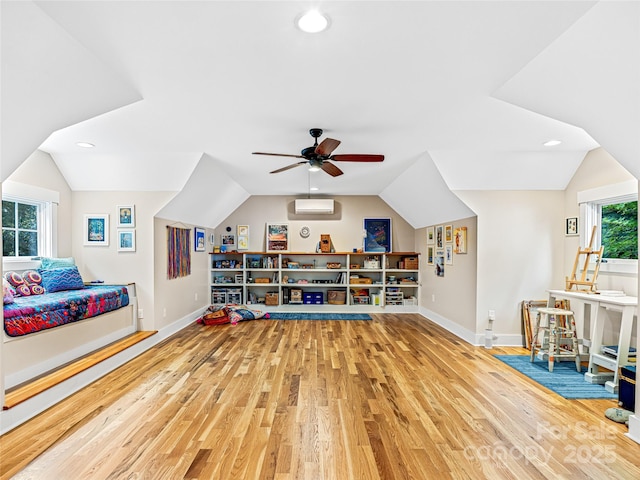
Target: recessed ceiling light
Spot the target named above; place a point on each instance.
(552, 143)
(312, 22)
(85, 144)
(314, 189)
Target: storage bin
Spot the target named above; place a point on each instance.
(312, 298)
(271, 298)
(410, 263)
(627, 388)
(336, 297)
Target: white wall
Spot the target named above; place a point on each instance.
(177, 298)
(451, 300)
(106, 263)
(345, 226)
(520, 253)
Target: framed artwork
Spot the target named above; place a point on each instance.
(243, 237)
(571, 226)
(126, 240)
(448, 233)
(439, 236)
(377, 235)
(228, 240)
(431, 236)
(198, 239)
(126, 216)
(96, 229)
(440, 263)
(430, 255)
(460, 240)
(277, 237)
(448, 254)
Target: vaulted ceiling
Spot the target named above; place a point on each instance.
(468, 90)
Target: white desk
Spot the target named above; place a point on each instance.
(599, 306)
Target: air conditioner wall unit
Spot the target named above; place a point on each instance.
(314, 206)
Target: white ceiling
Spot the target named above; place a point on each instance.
(477, 87)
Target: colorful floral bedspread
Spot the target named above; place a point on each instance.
(40, 312)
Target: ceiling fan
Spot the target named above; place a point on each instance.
(318, 156)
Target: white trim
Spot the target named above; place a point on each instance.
(29, 192)
(613, 192)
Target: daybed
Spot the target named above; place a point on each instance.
(71, 319)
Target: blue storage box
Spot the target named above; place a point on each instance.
(312, 298)
(627, 388)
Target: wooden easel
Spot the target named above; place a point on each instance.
(590, 285)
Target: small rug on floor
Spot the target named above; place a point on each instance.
(318, 316)
(564, 380)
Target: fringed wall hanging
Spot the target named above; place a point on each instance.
(179, 252)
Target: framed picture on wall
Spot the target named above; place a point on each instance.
(460, 240)
(431, 236)
(571, 226)
(377, 235)
(439, 263)
(198, 236)
(277, 237)
(126, 240)
(439, 236)
(448, 233)
(126, 216)
(448, 254)
(229, 240)
(243, 237)
(96, 229)
(430, 255)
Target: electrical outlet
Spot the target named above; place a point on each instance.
(140, 313)
(164, 312)
(195, 296)
(433, 297)
(492, 314)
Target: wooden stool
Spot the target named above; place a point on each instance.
(560, 328)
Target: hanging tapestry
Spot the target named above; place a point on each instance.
(178, 246)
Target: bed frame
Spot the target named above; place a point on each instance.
(29, 356)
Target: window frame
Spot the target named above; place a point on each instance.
(47, 202)
(591, 203)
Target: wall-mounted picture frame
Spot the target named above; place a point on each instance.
(126, 240)
(96, 229)
(126, 216)
(431, 236)
(277, 237)
(439, 264)
(448, 233)
(243, 237)
(448, 254)
(439, 236)
(571, 226)
(198, 239)
(460, 240)
(430, 255)
(229, 240)
(377, 235)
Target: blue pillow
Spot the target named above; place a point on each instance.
(47, 262)
(58, 279)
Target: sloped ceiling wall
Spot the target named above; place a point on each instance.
(66, 83)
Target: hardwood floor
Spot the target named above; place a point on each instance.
(393, 398)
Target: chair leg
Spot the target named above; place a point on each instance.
(553, 339)
(534, 341)
(574, 343)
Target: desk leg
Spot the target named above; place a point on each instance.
(626, 324)
(598, 331)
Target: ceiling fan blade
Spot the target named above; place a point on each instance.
(293, 165)
(277, 154)
(327, 146)
(357, 157)
(331, 169)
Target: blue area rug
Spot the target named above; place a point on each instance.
(564, 380)
(318, 316)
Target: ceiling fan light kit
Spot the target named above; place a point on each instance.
(318, 156)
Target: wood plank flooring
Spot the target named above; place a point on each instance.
(393, 398)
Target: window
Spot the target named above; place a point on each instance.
(614, 212)
(21, 223)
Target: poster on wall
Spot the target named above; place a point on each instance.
(440, 264)
(439, 236)
(198, 235)
(377, 235)
(277, 237)
(430, 255)
(460, 240)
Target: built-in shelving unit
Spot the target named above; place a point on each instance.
(316, 281)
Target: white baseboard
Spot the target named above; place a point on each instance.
(10, 419)
(473, 338)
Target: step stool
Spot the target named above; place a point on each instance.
(558, 331)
